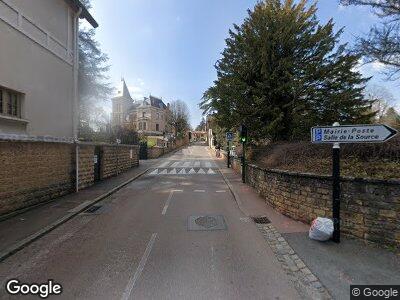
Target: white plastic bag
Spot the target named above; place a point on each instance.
(321, 229)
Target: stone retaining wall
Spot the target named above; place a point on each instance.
(156, 151)
(370, 209)
(32, 172)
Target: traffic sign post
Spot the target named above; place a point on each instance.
(338, 134)
(243, 139)
(229, 138)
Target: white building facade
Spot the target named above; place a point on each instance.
(39, 66)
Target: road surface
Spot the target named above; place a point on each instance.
(175, 233)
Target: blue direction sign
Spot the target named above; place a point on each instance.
(229, 136)
(352, 134)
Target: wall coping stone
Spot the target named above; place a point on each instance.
(50, 139)
(326, 177)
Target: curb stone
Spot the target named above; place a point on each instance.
(35, 236)
(306, 283)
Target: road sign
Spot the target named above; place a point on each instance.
(229, 136)
(352, 134)
(338, 134)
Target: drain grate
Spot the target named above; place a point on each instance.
(92, 209)
(261, 220)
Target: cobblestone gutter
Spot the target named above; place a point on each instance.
(306, 283)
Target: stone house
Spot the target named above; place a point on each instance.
(148, 115)
(39, 66)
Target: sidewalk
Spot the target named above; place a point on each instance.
(337, 266)
(31, 224)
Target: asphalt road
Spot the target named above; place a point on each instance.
(138, 245)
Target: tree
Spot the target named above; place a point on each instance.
(382, 44)
(381, 99)
(282, 72)
(201, 126)
(93, 79)
(178, 117)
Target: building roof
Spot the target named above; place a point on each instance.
(151, 101)
(123, 91)
(157, 102)
(85, 13)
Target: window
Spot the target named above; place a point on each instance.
(157, 127)
(143, 114)
(10, 103)
(144, 125)
(140, 126)
(158, 115)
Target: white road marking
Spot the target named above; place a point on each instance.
(186, 164)
(196, 164)
(132, 281)
(220, 191)
(155, 172)
(175, 164)
(167, 203)
(163, 172)
(192, 171)
(207, 164)
(199, 191)
(210, 171)
(201, 171)
(182, 172)
(173, 171)
(164, 211)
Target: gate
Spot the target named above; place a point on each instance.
(97, 163)
(143, 150)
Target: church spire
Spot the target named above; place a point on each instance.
(124, 91)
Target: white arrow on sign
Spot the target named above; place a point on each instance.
(352, 134)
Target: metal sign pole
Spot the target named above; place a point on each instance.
(244, 163)
(228, 155)
(336, 190)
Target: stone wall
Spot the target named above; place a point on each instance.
(370, 209)
(155, 152)
(116, 160)
(32, 172)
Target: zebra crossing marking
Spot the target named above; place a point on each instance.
(183, 171)
(155, 172)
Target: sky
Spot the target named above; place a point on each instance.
(168, 48)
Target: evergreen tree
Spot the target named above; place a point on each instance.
(282, 72)
(93, 79)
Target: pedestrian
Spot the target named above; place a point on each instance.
(218, 150)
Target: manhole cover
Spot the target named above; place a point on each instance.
(206, 222)
(261, 220)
